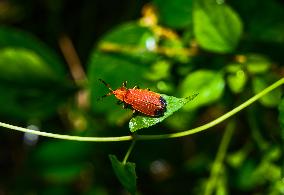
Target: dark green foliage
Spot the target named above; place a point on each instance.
(28, 69)
(172, 14)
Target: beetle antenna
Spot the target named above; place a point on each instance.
(100, 98)
(107, 85)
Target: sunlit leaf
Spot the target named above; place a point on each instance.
(217, 27)
(208, 84)
(173, 104)
(138, 44)
(125, 173)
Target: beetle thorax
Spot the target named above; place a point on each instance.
(120, 93)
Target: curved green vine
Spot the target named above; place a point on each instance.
(152, 137)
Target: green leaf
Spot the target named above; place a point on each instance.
(271, 99)
(208, 84)
(257, 63)
(14, 38)
(175, 14)
(159, 71)
(125, 173)
(24, 66)
(173, 104)
(237, 81)
(217, 27)
(138, 44)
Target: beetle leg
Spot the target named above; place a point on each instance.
(119, 102)
(124, 83)
(100, 98)
(135, 113)
(124, 105)
(136, 87)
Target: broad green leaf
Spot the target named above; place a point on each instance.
(217, 27)
(24, 66)
(175, 14)
(128, 34)
(14, 38)
(208, 84)
(271, 99)
(125, 173)
(130, 40)
(173, 104)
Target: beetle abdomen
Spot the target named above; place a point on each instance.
(146, 102)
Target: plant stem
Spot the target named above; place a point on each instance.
(153, 137)
(218, 120)
(67, 137)
(129, 151)
(72, 59)
(217, 167)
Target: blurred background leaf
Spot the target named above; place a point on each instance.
(33, 79)
(208, 84)
(216, 26)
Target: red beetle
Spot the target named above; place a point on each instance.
(142, 100)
